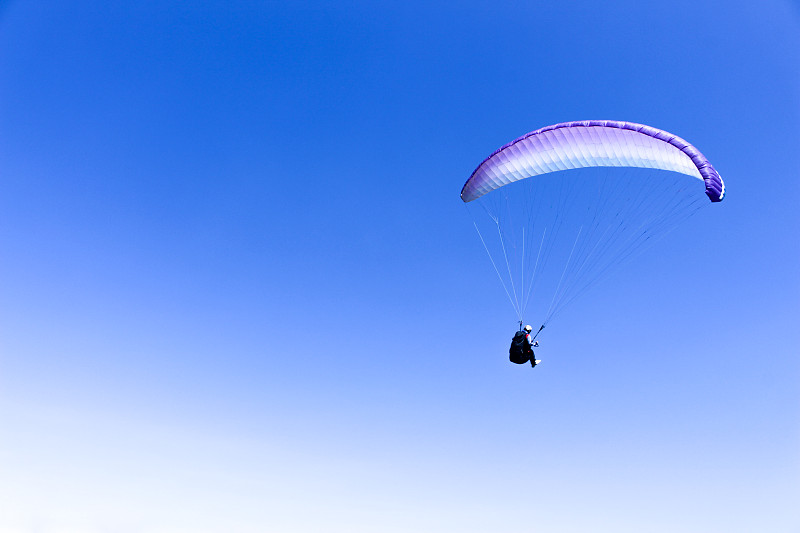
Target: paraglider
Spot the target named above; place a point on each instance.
(521, 350)
(559, 207)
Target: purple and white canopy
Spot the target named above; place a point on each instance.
(591, 143)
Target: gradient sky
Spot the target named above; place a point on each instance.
(239, 291)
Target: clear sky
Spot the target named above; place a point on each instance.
(239, 291)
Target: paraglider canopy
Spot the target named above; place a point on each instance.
(591, 143)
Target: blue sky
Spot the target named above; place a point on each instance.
(239, 292)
